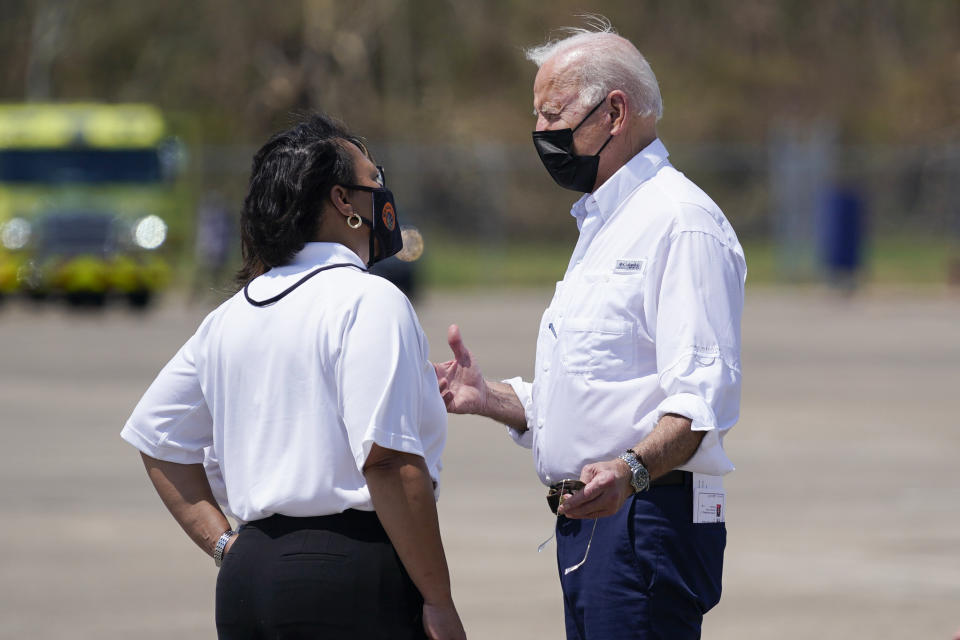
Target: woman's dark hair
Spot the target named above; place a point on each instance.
(291, 178)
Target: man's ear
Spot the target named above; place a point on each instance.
(338, 197)
(619, 110)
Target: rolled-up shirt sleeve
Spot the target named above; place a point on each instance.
(524, 391)
(698, 342)
(172, 421)
(380, 373)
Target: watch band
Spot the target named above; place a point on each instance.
(221, 545)
(640, 477)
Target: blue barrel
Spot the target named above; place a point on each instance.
(842, 231)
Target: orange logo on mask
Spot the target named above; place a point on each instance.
(388, 216)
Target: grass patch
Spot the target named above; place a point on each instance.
(456, 264)
(911, 261)
(452, 264)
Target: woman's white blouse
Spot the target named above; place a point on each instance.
(284, 402)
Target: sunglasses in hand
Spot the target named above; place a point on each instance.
(558, 492)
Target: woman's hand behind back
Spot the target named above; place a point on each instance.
(441, 622)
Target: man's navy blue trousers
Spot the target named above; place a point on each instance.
(651, 573)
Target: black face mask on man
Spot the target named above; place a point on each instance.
(385, 236)
(570, 171)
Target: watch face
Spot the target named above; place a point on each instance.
(641, 479)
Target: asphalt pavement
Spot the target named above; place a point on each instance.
(843, 513)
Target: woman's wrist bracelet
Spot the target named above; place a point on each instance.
(221, 545)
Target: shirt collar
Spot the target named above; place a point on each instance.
(316, 254)
(608, 196)
(313, 255)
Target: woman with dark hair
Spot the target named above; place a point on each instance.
(312, 392)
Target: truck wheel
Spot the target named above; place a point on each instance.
(86, 299)
(139, 299)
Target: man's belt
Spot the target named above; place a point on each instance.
(671, 478)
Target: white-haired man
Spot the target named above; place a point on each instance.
(638, 356)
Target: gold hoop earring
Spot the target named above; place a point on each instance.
(354, 221)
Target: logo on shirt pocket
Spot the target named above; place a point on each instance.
(598, 346)
(629, 266)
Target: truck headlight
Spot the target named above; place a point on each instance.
(15, 234)
(150, 232)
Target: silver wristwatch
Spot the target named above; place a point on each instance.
(640, 479)
(221, 545)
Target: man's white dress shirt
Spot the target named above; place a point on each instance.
(285, 401)
(645, 322)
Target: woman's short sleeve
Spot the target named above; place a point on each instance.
(172, 422)
(380, 374)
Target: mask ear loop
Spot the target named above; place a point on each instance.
(574, 130)
(373, 240)
(604, 145)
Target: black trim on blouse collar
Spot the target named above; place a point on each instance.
(269, 301)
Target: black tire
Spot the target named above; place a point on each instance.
(140, 299)
(86, 299)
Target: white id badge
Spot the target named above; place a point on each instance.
(709, 499)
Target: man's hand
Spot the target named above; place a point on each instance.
(462, 386)
(464, 389)
(608, 487)
(441, 622)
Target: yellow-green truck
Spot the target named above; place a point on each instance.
(87, 193)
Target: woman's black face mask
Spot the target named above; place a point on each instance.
(570, 171)
(385, 237)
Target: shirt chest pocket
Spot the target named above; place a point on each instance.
(602, 347)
